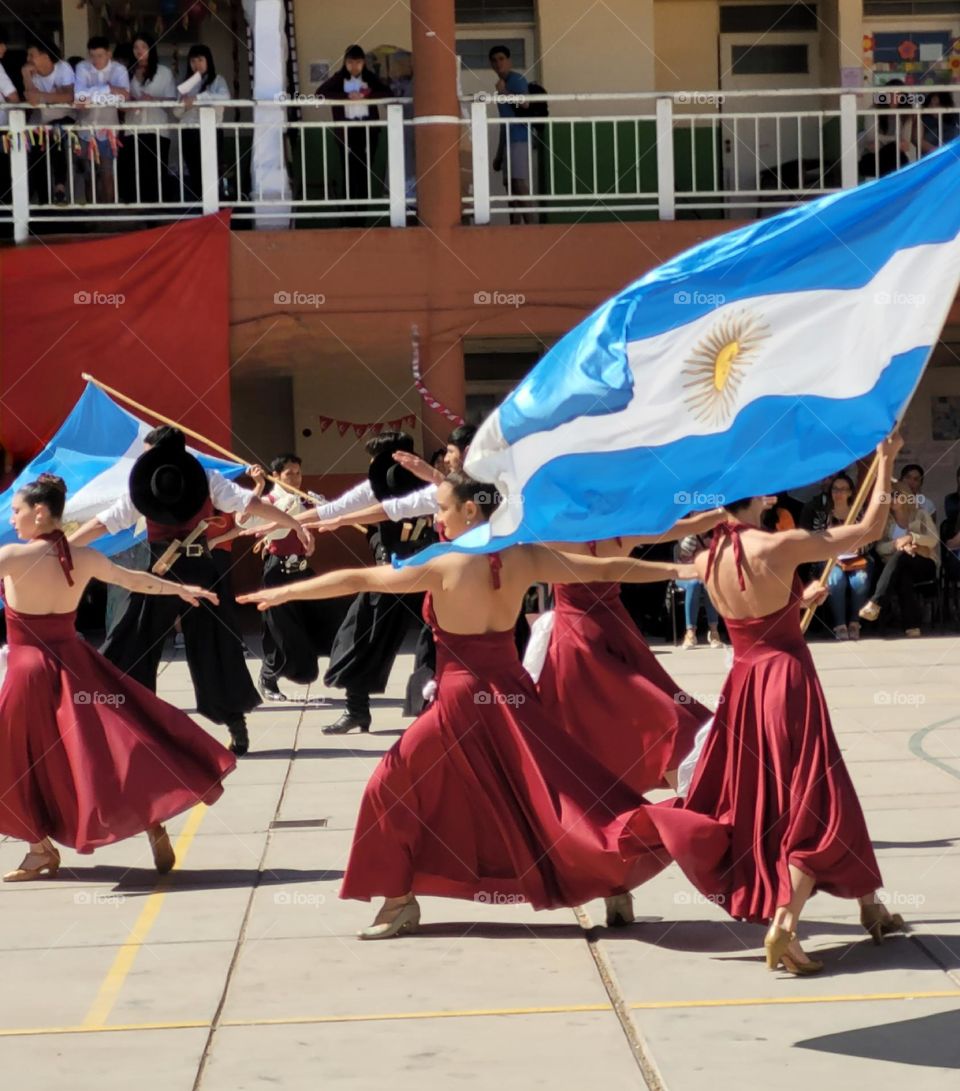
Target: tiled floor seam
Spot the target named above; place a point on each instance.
(217, 1015)
(649, 1070)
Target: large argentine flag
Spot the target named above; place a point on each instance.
(761, 360)
(93, 452)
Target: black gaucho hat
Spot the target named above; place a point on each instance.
(389, 479)
(167, 484)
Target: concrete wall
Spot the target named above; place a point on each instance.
(606, 47)
(686, 36)
(325, 28)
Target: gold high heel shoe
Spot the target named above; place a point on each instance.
(878, 922)
(776, 942)
(163, 855)
(407, 919)
(619, 910)
(49, 862)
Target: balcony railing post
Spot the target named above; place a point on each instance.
(481, 162)
(848, 141)
(209, 164)
(666, 183)
(396, 166)
(19, 180)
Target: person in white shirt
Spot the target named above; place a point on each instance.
(8, 93)
(203, 86)
(48, 82)
(224, 689)
(150, 82)
(101, 83)
(363, 508)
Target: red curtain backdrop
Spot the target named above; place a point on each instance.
(146, 313)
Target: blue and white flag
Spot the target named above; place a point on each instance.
(758, 361)
(93, 452)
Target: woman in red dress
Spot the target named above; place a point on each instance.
(482, 798)
(603, 685)
(87, 755)
(772, 815)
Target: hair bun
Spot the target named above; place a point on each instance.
(53, 482)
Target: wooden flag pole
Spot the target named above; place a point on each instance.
(852, 516)
(229, 455)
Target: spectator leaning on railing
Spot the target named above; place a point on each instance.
(938, 129)
(49, 81)
(910, 551)
(889, 140)
(357, 145)
(101, 82)
(201, 87)
(513, 148)
(8, 93)
(150, 81)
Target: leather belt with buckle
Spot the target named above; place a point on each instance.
(189, 547)
(293, 563)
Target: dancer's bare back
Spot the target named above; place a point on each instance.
(34, 580)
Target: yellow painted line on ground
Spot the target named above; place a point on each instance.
(559, 1009)
(127, 955)
(743, 1002)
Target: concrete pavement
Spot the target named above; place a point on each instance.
(240, 970)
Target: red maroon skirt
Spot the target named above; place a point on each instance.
(87, 755)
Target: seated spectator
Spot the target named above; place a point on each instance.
(910, 552)
(206, 87)
(816, 510)
(101, 82)
(851, 573)
(49, 82)
(911, 482)
(938, 129)
(687, 548)
(8, 93)
(779, 516)
(949, 535)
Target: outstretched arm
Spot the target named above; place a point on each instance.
(262, 510)
(88, 532)
(699, 523)
(146, 583)
(552, 566)
(365, 517)
(350, 581)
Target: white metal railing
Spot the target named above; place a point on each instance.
(77, 172)
(647, 154)
(665, 155)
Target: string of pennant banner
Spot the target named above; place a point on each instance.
(360, 429)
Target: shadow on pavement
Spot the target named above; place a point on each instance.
(932, 1041)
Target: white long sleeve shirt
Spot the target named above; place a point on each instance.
(356, 499)
(412, 506)
(224, 495)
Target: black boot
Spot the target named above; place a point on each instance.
(239, 739)
(269, 690)
(356, 716)
(346, 723)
